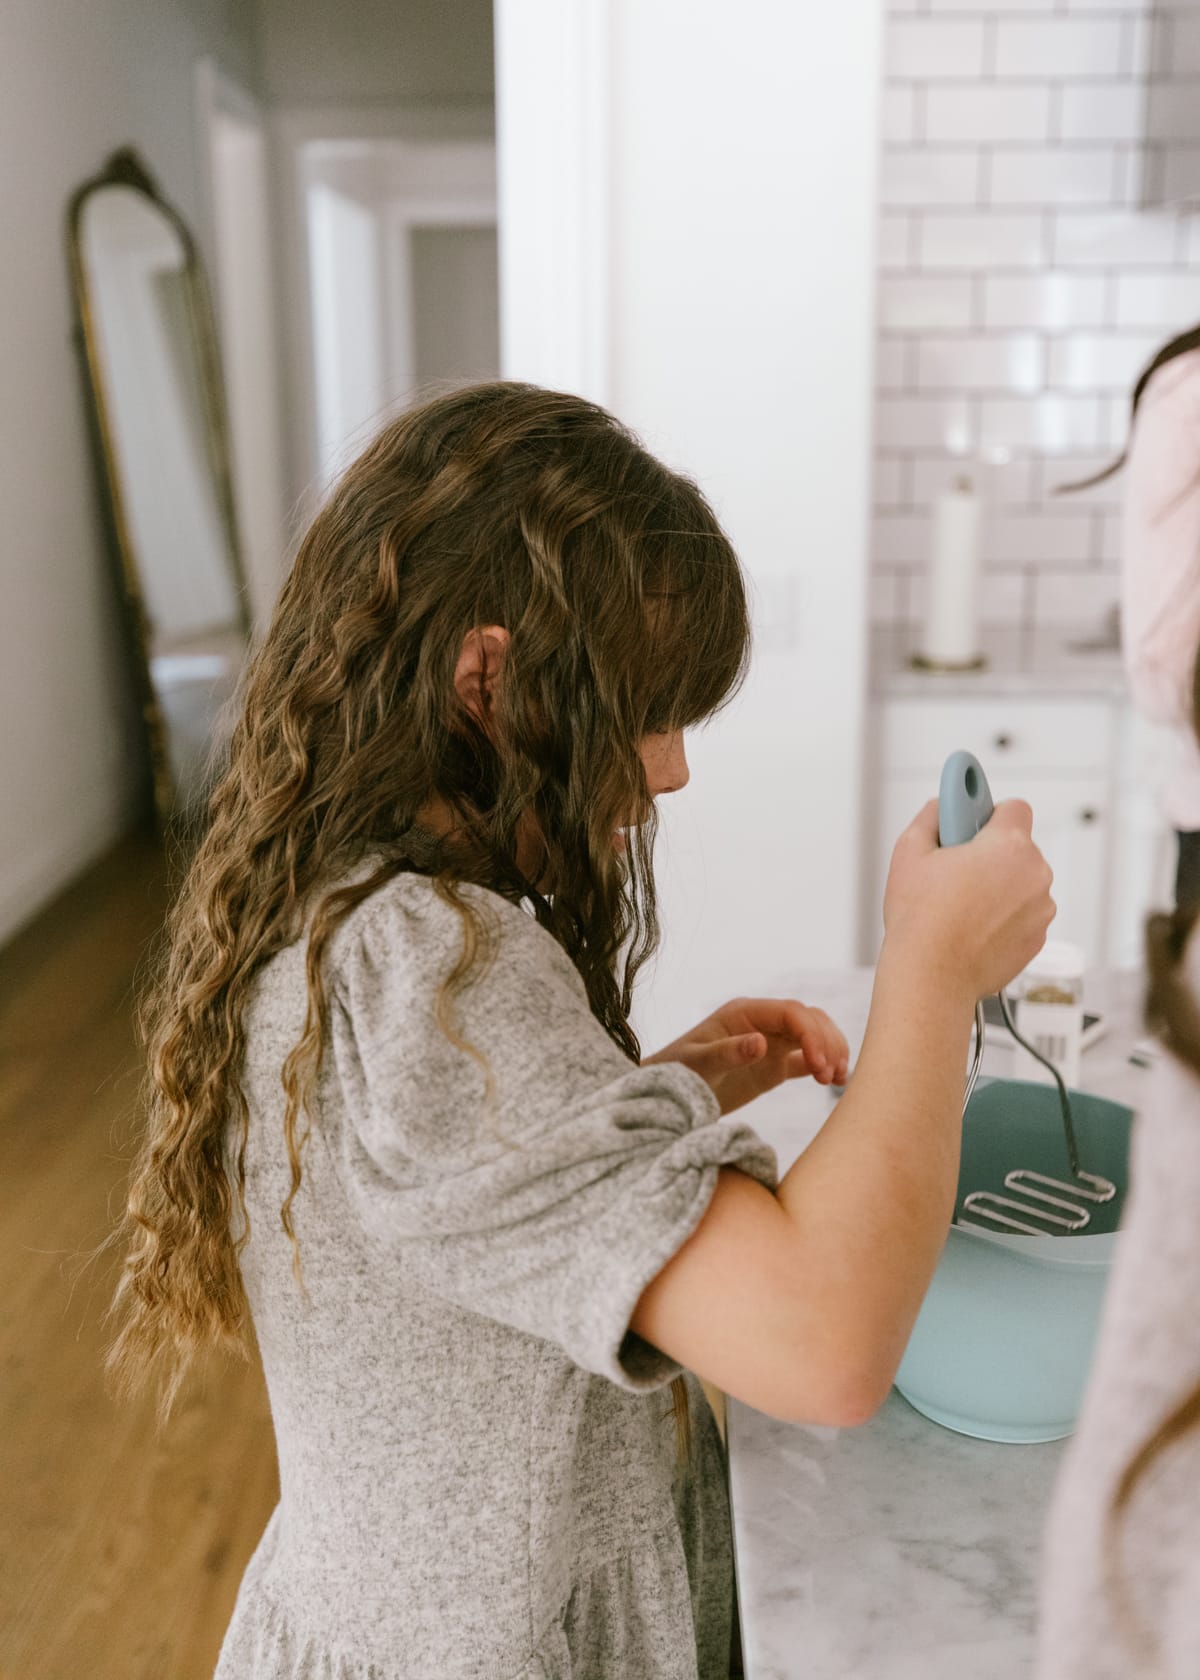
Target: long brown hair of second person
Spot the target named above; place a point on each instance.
(626, 610)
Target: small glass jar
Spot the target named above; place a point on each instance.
(1049, 1012)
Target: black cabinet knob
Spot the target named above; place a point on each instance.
(1089, 814)
(1002, 742)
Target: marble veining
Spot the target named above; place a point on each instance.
(899, 1550)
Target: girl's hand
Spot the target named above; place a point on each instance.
(974, 914)
(753, 1044)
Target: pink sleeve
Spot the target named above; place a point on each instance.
(1160, 581)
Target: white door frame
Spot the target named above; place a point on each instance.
(294, 131)
(245, 299)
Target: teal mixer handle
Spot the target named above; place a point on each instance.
(964, 799)
(964, 805)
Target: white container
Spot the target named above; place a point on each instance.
(950, 635)
(1049, 1013)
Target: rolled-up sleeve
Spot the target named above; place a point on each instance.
(551, 1203)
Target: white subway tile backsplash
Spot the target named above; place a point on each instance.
(894, 239)
(1022, 287)
(982, 112)
(1051, 300)
(925, 423)
(1095, 362)
(1002, 598)
(889, 478)
(1008, 483)
(1103, 111)
(881, 597)
(1112, 541)
(900, 538)
(899, 101)
(1052, 175)
(1078, 599)
(1114, 420)
(1040, 539)
(1136, 181)
(1049, 423)
(927, 49)
(950, 7)
(890, 360)
(913, 176)
(1112, 239)
(914, 301)
(1068, 47)
(1003, 363)
(1170, 299)
(1071, 469)
(1137, 46)
(980, 240)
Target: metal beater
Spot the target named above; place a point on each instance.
(1061, 1207)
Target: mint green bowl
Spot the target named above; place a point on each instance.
(1003, 1343)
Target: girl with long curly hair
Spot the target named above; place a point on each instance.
(399, 1125)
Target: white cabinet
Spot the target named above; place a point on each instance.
(1086, 768)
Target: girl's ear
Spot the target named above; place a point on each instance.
(478, 670)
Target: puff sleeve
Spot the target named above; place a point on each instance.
(553, 1206)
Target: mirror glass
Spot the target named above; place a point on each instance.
(152, 356)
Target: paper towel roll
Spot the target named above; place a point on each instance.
(951, 631)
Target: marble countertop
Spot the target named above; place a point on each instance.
(898, 1550)
(1057, 660)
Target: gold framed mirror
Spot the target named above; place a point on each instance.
(157, 406)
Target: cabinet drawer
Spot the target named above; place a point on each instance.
(1067, 737)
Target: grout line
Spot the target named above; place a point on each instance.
(1125, 55)
(902, 595)
(1110, 299)
(920, 127)
(1182, 229)
(1054, 126)
(988, 67)
(1119, 186)
(912, 359)
(983, 185)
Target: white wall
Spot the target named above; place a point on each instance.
(711, 182)
(73, 86)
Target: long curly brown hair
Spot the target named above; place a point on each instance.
(499, 504)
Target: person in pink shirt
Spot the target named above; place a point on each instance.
(1160, 574)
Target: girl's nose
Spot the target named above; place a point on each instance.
(669, 767)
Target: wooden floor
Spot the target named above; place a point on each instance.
(120, 1554)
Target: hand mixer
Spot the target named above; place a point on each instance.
(1060, 1207)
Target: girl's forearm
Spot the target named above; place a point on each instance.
(872, 1196)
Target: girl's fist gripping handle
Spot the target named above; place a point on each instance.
(964, 799)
